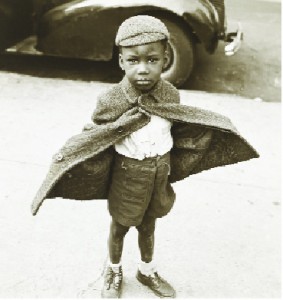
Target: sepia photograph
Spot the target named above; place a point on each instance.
(140, 149)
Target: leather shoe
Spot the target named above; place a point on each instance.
(112, 287)
(157, 284)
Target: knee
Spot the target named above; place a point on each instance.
(147, 227)
(117, 230)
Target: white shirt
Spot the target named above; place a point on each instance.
(153, 139)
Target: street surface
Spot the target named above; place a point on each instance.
(221, 240)
(223, 236)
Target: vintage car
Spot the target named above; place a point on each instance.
(86, 29)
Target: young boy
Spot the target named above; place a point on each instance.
(141, 141)
(140, 192)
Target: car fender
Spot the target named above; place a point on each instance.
(87, 29)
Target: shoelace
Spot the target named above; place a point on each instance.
(117, 279)
(155, 279)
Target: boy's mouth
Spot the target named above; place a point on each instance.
(143, 81)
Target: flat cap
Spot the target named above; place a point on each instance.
(139, 30)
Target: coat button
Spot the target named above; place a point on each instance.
(59, 156)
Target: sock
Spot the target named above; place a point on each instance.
(147, 268)
(115, 267)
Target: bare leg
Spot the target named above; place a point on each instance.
(146, 238)
(116, 241)
(113, 275)
(146, 243)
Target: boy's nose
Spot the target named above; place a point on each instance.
(142, 69)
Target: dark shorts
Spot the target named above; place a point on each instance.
(139, 188)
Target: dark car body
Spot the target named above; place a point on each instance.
(75, 22)
(15, 21)
(86, 29)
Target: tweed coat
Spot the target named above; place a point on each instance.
(202, 139)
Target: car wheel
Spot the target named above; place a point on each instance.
(181, 50)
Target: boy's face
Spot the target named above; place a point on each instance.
(143, 64)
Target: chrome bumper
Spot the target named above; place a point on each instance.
(235, 40)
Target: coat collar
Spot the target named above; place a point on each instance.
(132, 94)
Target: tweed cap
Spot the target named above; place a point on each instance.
(139, 30)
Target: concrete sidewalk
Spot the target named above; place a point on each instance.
(221, 240)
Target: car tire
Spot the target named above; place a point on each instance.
(181, 54)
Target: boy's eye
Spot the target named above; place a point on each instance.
(132, 60)
(153, 60)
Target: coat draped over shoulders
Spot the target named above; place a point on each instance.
(202, 140)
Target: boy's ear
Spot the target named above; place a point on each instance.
(166, 59)
(121, 61)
